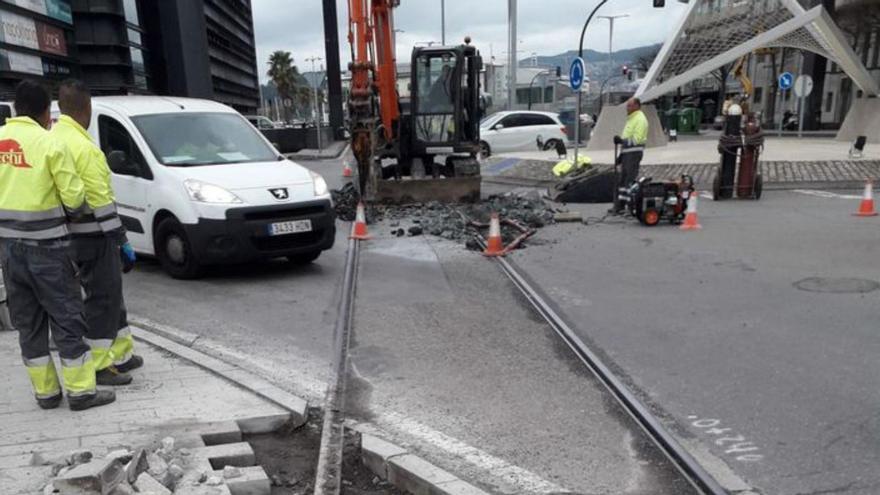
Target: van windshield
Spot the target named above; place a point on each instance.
(191, 139)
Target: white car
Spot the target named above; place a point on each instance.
(197, 185)
(520, 131)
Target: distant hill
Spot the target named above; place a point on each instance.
(597, 62)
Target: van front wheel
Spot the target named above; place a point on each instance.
(175, 252)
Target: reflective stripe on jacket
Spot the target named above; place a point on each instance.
(91, 165)
(39, 186)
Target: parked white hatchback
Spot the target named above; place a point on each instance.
(197, 185)
(520, 131)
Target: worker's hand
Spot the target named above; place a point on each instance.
(126, 252)
(618, 140)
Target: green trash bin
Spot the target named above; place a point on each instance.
(689, 120)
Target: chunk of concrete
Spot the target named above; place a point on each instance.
(247, 480)
(137, 465)
(220, 433)
(147, 484)
(99, 476)
(414, 475)
(375, 453)
(231, 454)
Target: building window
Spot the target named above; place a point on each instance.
(759, 96)
(134, 36)
(131, 12)
(829, 102)
(137, 59)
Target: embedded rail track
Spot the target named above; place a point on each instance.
(328, 479)
(329, 470)
(689, 467)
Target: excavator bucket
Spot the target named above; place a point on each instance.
(444, 190)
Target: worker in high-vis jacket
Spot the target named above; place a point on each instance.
(100, 246)
(632, 148)
(40, 192)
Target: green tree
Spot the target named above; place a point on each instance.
(290, 83)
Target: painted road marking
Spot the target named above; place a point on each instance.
(522, 480)
(734, 445)
(826, 194)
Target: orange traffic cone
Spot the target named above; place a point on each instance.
(494, 245)
(346, 170)
(359, 231)
(866, 208)
(690, 219)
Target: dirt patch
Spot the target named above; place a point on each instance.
(290, 458)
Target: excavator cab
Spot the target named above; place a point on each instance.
(439, 133)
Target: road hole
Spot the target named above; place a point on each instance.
(837, 285)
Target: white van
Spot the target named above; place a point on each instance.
(197, 185)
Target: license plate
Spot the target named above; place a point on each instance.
(294, 227)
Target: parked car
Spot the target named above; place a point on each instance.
(520, 131)
(196, 185)
(261, 122)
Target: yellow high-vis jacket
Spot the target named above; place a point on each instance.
(91, 166)
(635, 133)
(39, 186)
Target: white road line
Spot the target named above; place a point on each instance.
(826, 194)
(517, 479)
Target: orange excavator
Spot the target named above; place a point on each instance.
(418, 148)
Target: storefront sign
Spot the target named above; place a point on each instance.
(51, 39)
(18, 30)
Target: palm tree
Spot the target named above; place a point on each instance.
(286, 78)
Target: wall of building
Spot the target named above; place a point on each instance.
(36, 42)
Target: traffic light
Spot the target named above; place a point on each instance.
(558, 72)
(658, 4)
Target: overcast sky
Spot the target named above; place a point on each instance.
(547, 27)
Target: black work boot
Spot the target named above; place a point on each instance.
(99, 398)
(133, 363)
(112, 376)
(50, 402)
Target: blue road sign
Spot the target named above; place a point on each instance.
(576, 74)
(786, 81)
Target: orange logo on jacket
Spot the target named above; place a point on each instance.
(12, 154)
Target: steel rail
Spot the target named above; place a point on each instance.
(695, 474)
(328, 479)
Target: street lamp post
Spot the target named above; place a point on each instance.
(611, 19)
(317, 107)
(545, 72)
(577, 111)
(443, 22)
(511, 49)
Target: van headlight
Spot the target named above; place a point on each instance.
(319, 183)
(209, 193)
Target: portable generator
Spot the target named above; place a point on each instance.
(651, 201)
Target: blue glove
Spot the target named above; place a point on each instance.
(126, 252)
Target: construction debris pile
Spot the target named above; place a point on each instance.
(453, 222)
(123, 471)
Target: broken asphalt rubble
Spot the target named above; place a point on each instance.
(452, 221)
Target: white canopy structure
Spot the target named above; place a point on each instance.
(707, 38)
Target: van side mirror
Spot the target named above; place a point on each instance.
(497, 127)
(120, 164)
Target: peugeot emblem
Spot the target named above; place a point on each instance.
(280, 193)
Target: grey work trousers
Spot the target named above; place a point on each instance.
(629, 173)
(101, 276)
(42, 290)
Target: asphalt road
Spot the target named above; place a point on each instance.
(448, 358)
(276, 317)
(779, 382)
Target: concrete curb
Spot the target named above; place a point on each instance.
(409, 472)
(180, 344)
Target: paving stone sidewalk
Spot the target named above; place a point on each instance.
(169, 396)
(777, 174)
